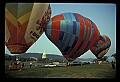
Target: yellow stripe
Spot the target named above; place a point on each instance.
(101, 54)
(10, 17)
(24, 18)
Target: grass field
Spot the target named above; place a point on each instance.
(103, 70)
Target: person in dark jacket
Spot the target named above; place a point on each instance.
(113, 64)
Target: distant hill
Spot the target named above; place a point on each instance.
(87, 59)
(49, 56)
(39, 55)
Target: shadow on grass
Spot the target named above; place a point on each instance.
(27, 73)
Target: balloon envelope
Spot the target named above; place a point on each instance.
(24, 24)
(101, 47)
(72, 33)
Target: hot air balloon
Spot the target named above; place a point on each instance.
(24, 24)
(101, 47)
(72, 33)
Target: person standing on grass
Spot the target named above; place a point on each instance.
(113, 64)
(30, 64)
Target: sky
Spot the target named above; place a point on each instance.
(102, 14)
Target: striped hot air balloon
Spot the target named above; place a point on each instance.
(72, 33)
(101, 47)
(24, 24)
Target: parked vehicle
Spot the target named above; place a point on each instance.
(50, 65)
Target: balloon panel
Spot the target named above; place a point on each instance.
(72, 33)
(24, 24)
(101, 47)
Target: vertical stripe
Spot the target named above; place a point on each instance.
(59, 44)
(77, 20)
(88, 33)
(84, 27)
(75, 40)
(78, 29)
(72, 16)
(72, 40)
(69, 50)
(48, 32)
(49, 24)
(63, 25)
(64, 47)
(55, 33)
(67, 38)
(74, 27)
(61, 35)
(69, 26)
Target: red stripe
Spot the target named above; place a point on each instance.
(55, 31)
(89, 26)
(21, 32)
(13, 32)
(58, 18)
(95, 36)
(80, 36)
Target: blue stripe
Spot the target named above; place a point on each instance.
(64, 46)
(72, 16)
(97, 45)
(61, 35)
(76, 17)
(78, 29)
(92, 30)
(74, 27)
(69, 50)
(48, 32)
(49, 25)
(89, 40)
(75, 41)
(60, 45)
(67, 16)
(84, 27)
(72, 40)
(89, 32)
(91, 23)
(63, 25)
(102, 38)
(69, 26)
(67, 38)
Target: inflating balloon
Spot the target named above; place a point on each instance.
(101, 47)
(24, 24)
(72, 33)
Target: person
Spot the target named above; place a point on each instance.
(30, 64)
(113, 64)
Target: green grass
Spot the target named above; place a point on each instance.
(103, 70)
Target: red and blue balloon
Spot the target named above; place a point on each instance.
(74, 34)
